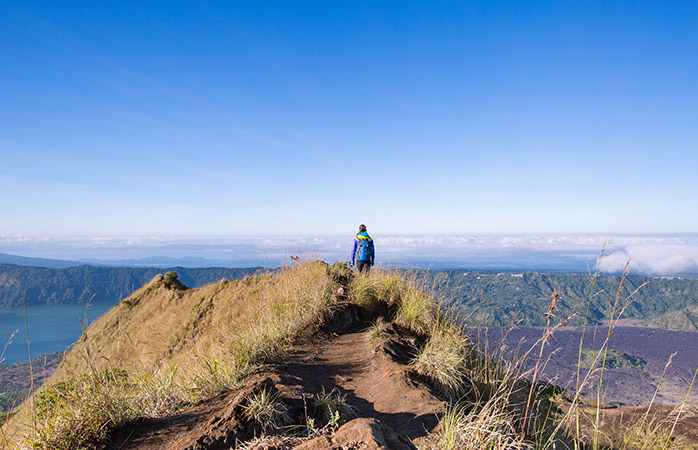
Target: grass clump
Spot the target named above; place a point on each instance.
(377, 332)
(332, 406)
(79, 412)
(157, 392)
(390, 287)
(443, 360)
(211, 376)
(412, 308)
(472, 426)
(266, 409)
(417, 312)
(364, 292)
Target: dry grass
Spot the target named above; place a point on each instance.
(168, 348)
(443, 359)
(174, 347)
(473, 426)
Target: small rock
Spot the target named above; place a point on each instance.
(320, 443)
(369, 434)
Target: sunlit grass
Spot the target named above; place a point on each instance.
(211, 338)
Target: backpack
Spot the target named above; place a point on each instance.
(364, 253)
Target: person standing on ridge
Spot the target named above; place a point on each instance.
(363, 253)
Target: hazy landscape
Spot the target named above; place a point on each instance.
(190, 189)
(515, 302)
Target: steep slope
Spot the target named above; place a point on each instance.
(161, 329)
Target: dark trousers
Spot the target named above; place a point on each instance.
(363, 266)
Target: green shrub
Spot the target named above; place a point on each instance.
(341, 273)
(171, 281)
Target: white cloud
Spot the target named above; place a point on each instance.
(653, 259)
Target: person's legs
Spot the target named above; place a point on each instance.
(363, 266)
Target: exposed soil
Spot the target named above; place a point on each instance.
(390, 405)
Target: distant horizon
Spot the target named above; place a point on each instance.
(665, 254)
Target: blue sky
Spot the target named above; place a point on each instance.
(289, 118)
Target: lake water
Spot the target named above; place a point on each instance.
(51, 328)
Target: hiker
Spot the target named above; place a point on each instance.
(363, 252)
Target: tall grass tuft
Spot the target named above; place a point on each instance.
(486, 426)
(266, 409)
(78, 413)
(417, 311)
(443, 360)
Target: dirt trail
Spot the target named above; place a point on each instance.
(373, 377)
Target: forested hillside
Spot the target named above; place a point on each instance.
(502, 299)
(490, 298)
(108, 284)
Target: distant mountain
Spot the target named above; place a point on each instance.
(166, 261)
(36, 262)
(76, 285)
(152, 261)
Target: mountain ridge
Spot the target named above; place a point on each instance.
(82, 283)
(291, 358)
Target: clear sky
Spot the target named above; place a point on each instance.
(230, 118)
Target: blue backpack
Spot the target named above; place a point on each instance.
(364, 251)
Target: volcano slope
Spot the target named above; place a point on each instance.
(310, 357)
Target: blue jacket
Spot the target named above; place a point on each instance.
(363, 236)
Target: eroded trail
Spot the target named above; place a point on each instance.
(372, 376)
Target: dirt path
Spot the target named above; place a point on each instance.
(372, 376)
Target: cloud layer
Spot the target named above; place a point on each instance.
(656, 255)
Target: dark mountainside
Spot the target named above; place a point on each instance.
(635, 366)
(510, 299)
(76, 285)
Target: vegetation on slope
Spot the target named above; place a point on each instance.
(167, 348)
(77, 285)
